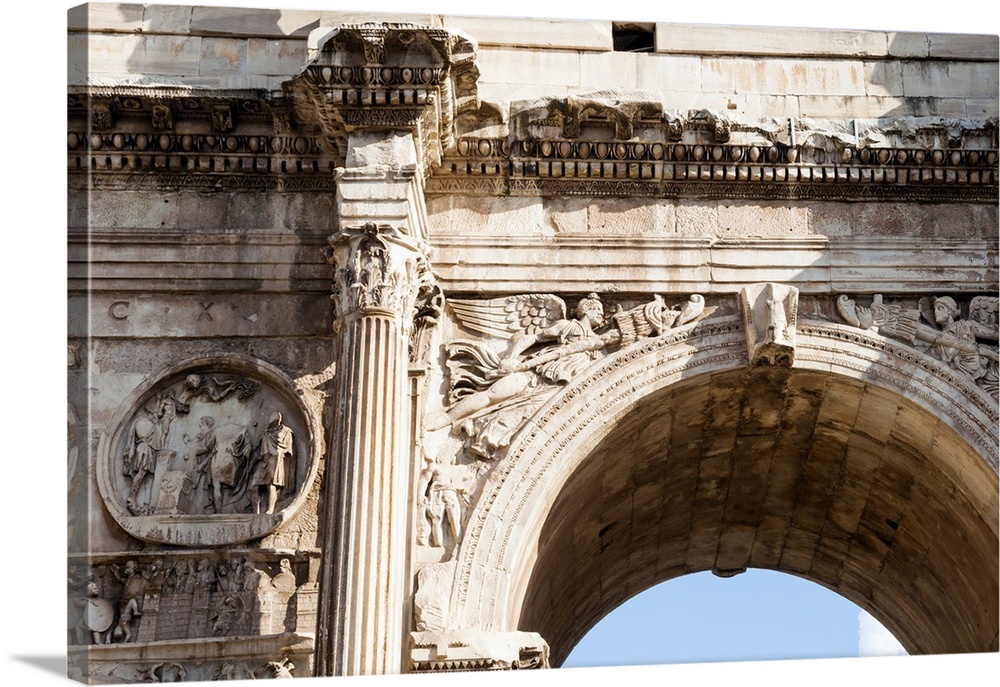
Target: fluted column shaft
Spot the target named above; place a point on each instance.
(378, 264)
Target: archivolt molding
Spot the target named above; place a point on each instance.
(569, 426)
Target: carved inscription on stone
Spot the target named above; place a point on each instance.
(210, 456)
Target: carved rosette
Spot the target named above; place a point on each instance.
(377, 269)
(212, 452)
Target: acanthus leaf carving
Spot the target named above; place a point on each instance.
(376, 267)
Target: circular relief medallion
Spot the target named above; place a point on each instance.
(211, 453)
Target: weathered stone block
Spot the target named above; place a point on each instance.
(630, 216)
(800, 77)
(718, 74)
(883, 78)
(828, 219)
(99, 54)
(696, 218)
(105, 16)
(447, 215)
(253, 22)
(534, 33)
(165, 55)
(669, 73)
(166, 19)
(222, 56)
(275, 56)
(609, 70)
(517, 67)
(950, 79)
(762, 219)
(759, 40)
(566, 215)
(986, 107)
(907, 44)
(959, 46)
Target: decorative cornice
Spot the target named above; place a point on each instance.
(397, 76)
(423, 80)
(700, 168)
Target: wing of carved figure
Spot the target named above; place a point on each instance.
(691, 309)
(503, 317)
(984, 311)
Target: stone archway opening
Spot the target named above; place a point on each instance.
(806, 472)
(761, 615)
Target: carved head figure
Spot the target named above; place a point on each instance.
(590, 309)
(285, 565)
(945, 310)
(207, 422)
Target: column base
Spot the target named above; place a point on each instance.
(468, 650)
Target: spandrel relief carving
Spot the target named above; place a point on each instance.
(529, 348)
(209, 457)
(936, 327)
(532, 349)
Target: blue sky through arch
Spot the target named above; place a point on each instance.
(758, 615)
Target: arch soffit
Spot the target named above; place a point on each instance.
(500, 541)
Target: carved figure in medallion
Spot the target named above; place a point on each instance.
(140, 461)
(275, 454)
(204, 453)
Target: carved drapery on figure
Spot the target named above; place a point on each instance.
(530, 349)
(209, 455)
(936, 327)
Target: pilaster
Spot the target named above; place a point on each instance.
(384, 97)
(378, 268)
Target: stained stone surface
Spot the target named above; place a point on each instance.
(420, 343)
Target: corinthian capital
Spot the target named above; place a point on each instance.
(376, 269)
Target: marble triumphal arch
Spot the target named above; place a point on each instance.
(422, 343)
